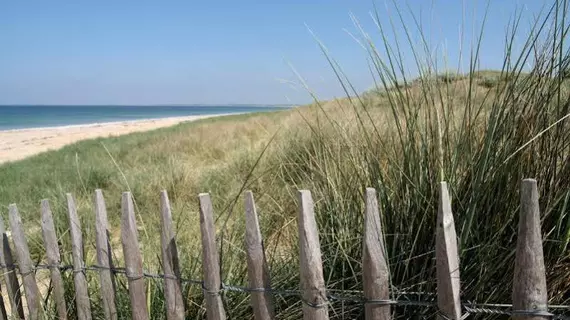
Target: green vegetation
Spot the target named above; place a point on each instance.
(482, 131)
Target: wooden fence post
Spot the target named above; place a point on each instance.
(170, 263)
(81, 294)
(315, 302)
(447, 259)
(529, 285)
(10, 278)
(133, 259)
(257, 269)
(53, 258)
(210, 261)
(375, 273)
(104, 257)
(25, 265)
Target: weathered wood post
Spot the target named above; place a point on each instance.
(25, 265)
(315, 302)
(529, 286)
(80, 281)
(447, 259)
(133, 259)
(10, 278)
(210, 261)
(257, 269)
(104, 256)
(170, 263)
(375, 272)
(53, 259)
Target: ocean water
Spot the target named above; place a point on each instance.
(22, 117)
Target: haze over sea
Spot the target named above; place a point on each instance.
(35, 116)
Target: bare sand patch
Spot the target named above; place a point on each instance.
(19, 144)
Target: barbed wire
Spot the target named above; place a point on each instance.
(470, 308)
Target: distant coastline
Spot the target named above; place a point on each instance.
(26, 117)
(18, 144)
(153, 105)
(115, 123)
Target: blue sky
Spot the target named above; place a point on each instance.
(215, 52)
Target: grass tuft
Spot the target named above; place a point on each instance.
(481, 131)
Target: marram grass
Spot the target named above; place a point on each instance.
(481, 131)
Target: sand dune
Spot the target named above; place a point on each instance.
(19, 144)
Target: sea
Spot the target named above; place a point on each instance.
(36, 116)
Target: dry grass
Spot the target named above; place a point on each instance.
(481, 132)
(325, 147)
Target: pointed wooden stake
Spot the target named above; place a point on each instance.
(104, 257)
(210, 261)
(80, 281)
(32, 293)
(170, 263)
(447, 259)
(133, 259)
(375, 273)
(529, 285)
(257, 269)
(53, 258)
(315, 302)
(10, 278)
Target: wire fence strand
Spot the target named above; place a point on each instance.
(356, 297)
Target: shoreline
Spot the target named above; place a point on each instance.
(17, 144)
(99, 124)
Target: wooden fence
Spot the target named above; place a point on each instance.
(529, 289)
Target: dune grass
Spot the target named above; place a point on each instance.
(211, 155)
(482, 131)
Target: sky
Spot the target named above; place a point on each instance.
(223, 52)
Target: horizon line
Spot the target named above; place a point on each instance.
(152, 105)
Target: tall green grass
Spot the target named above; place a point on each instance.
(482, 131)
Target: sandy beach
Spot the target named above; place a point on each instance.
(19, 144)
